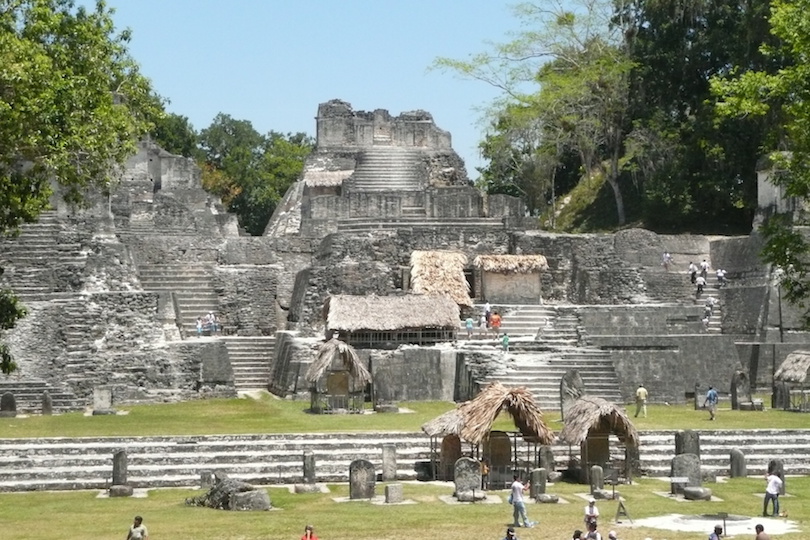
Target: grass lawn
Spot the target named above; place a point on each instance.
(271, 415)
(81, 515)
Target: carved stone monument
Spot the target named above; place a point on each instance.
(206, 479)
(684, 472)
(362, 479)
(781, 395)
(546, 459)
(389, 463)
(119, 487)
(538, 485)
(309, 485)
(468, 480)
(230, 494)
(8, 405)
(740, 390)
(102, 401)
(687, 442)
(738, 467)
(597, 478)
(47, 404)
(571, 389)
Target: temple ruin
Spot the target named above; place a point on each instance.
(114, 290)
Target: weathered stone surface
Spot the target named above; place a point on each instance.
(738, 468)
(554, 476)
(206, 479)
(571, 389)
(386, 408)
(547, 498)
(597, 478)
(389, 463)
(780, 398)
(119, 474)
(467, 475)
(250, 500)
(309, 467)
(306, 488)
(102, 401)
(685, 466)
(473, 495)
(538, 482)
(687, 442)
(697, 493)
(224, 490)
(362, 479)
(120, 491)
(47, 404)
(394, 494)
(740, 390)
(605, 495)
(8, 405)
(546, 459)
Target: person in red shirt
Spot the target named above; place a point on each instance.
(495, 323)
(309, 533)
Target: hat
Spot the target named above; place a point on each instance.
(308, 528)
(592, 501)
(612, 534)
(577, 534)
(718, 527)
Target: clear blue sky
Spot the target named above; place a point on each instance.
(273, 61)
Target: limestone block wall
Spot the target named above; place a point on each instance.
(503, 205)
(293, 354)
(414, 374)
(445, 169)
(37, 342)
(456, 202)
(640, 320)
(248, 298)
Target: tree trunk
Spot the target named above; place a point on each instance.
(614, 183)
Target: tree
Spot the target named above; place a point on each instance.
(578, 62)
(783, 94)
(72, 106)
(174, 133)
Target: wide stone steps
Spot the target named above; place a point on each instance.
(412, 222)
(387, 169)
(28, 396)
(250, 360)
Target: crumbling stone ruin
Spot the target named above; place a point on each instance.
(114, 290)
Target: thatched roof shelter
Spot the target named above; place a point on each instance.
(511, 264)
(386, 313)
(345, 353)
(449, 423)
(590, 412)
(794, 368)
(480, 413)
(440, 272)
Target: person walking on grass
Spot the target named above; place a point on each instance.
(772, 489)
(518, 504)
(711, 401)
(138, 530)
(641, 400)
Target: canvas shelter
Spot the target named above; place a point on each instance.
(589, 424)
(793, 372)
(511, 279)
(337, 379)
(440, 273)
(390, 321)
(471, 422)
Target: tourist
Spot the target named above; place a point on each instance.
(591, 512)
(772, 489)
(469, 324)
(666, 260)
(641, 400)
(593, 534)
(711, 401)
(577, 535)
(199, 326)
(721, 278)
(704, 269)
(761, 534)
(487, 312)
(495, 323)
(309, 533)
(138, 530)
(717, 534)
(505, 343)
(483, 326)
(700, 283)
(518, 504)
(510, 534)
(692, 272)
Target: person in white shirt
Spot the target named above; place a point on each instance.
(772, 490)
(518, 505)
(591, 512)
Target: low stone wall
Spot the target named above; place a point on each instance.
(248, 298)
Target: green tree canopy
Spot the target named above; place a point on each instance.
(72, 105)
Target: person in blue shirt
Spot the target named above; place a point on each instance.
(711, 402)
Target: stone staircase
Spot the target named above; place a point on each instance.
(86, 463)
(540, 368)
(28, 395)
(250, 359)
(64, 463)
(37, 266)
(415, 220)
(192, 288)
(388, 168)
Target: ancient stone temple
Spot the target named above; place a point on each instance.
(114, 291)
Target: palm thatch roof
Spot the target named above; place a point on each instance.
(794, 367)
(345, 353)
(590, 412)
(449, 423)
(440, 272)
(511, 264)
(480, 413)
(384, 313)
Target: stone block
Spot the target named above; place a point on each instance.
(47, 404)
(389, 463)
(386, 408)
(394, 494)
(120, 491)
(692, 493)
(306, 488)
(605, 495)
(597, 478)
(309, 467)
(250, 500)
(119, 474)
(547, 498)
(538, 485)
(472, 495)
(467, 475)
(687, 468)
(738, 468)
(8, 405)
(206, 479)
(687, 441)
(362, 479)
